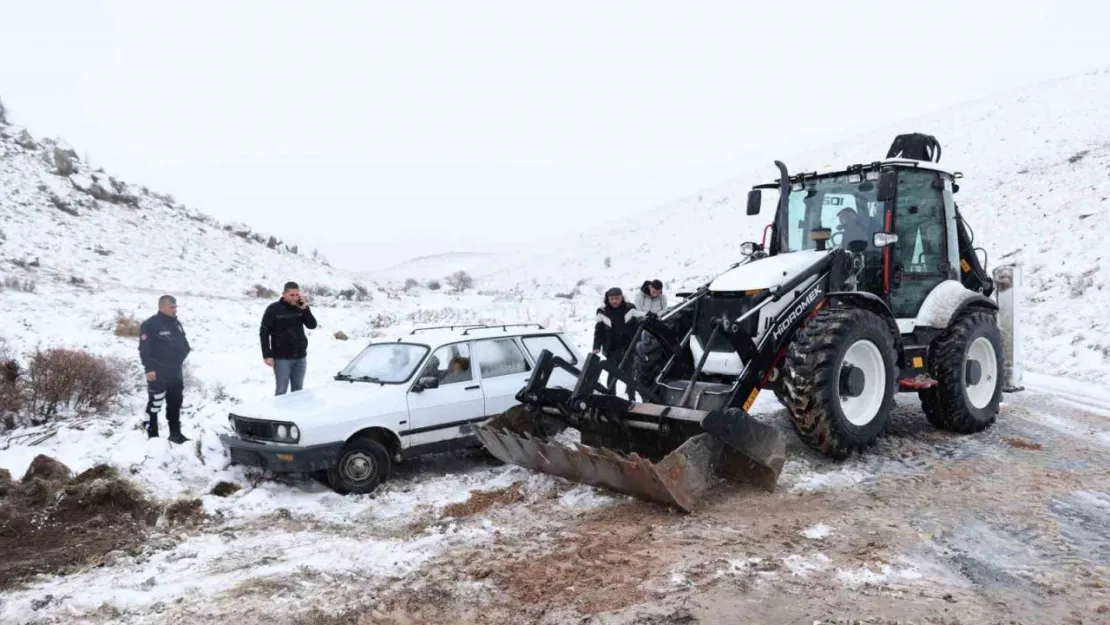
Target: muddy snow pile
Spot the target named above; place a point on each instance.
(55, 522)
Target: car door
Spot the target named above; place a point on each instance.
(504, 371)
(449, 411)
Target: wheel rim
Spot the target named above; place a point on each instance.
(863, 408)
(982, 352)
(358, 468)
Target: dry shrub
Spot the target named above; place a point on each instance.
(15, 284)
(60, 380)
(11, 391)
(318, 290)
(261, 292)
(341, 335)
(434, 285)
(127, 325)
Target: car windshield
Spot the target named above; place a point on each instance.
(849, 209)
(385, 362)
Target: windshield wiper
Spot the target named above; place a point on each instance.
(367, 378)
(342, 376)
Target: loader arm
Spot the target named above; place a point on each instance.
(973, 275)
(684, 447)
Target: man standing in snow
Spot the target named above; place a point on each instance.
(284, 344)
(616, 323)
(163, 348)
(650, 298)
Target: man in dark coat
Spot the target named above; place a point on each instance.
(163, 348)
(284, 344)
(616, 323)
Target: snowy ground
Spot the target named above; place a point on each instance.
(995, 525)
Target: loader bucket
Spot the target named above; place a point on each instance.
(680, 479)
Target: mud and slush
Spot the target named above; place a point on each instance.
(1009, 526)
(926, 528)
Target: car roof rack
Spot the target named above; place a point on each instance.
(505, 327)
(472, 326)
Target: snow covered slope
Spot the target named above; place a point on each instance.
(434, 267)
(1036, 164)
(61, 219)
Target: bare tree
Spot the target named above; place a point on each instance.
(460, 281)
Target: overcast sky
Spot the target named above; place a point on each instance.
(379, 131)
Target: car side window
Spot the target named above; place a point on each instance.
(450, 364)
(553, 344)
(498, 357)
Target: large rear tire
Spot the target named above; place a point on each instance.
(966, 361)
(839, 380)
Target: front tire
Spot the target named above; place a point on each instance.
(649, 356)
(362, 465)
(839, 380)
(966, 362)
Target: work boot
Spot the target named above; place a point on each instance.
(175, 434)
(151, 428)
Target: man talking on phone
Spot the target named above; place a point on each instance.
(284, 344)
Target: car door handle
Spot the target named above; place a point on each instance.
(472, 388)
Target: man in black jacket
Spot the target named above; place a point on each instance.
(163, 348)
(284, 344)
(616, 323)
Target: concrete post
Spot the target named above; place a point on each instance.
(1007, 283)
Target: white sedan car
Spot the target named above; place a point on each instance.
(410, 395)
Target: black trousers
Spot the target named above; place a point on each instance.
(615, 356)
(170, 391)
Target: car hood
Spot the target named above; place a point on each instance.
(365, 398)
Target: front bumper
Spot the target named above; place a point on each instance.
(281, 459)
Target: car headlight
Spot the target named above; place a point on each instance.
(282, 431)
(294, 433)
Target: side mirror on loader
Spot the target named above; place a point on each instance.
(883, 239)
(755, 199)
(888, 186)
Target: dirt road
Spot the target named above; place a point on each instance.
(1009, 526)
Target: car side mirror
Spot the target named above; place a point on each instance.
(857, 246)
(888, 186)
(884, 239)
(425, 383)
(748, 248)
(755, 199)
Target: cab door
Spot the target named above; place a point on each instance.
(918, 261)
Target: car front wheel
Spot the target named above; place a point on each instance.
(361, 467)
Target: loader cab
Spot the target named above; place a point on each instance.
(909, 199)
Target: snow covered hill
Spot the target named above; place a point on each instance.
(62, 219)
(1035, 188)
